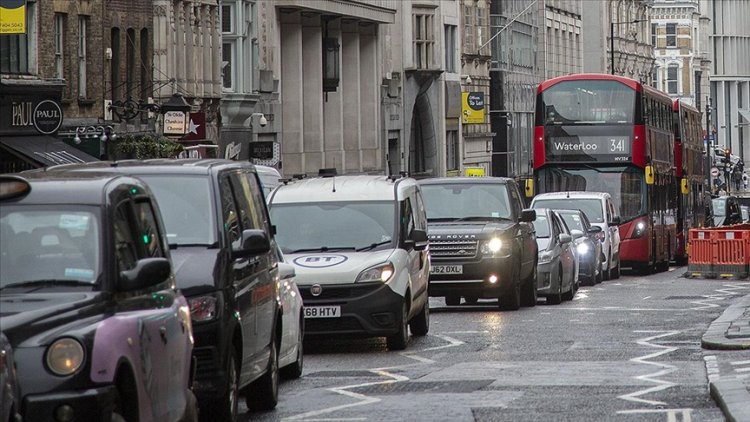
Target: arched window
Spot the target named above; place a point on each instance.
(130, 63)
(115, 69)
(145, 90)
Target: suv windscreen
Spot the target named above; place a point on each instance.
(464, 201)
(186, 208)
(339, 225)
(591, 207)
(38, 243)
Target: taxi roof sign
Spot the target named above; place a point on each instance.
(13, 187)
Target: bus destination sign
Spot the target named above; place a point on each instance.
(588, 148)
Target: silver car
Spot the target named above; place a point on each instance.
(558, 265)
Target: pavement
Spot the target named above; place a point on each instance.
(731, 332)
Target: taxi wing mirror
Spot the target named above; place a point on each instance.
(575, 233)
(595, 229)
(286, 271)
(565, 238)
(147, 272)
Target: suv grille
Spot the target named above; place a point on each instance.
(453, 248)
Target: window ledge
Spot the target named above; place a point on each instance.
(86, 102)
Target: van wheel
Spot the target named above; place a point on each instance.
(529, 296)
(420, 324)
(453, 300)
(225, 407)
(399, 340)
(510, 299)
(263, 394)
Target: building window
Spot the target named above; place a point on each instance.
(424, 37)
(115, 64)
(672, 72)
(59, 46)
(145, 65)
(655, 77)
(238, 46)
(671, 35)
(654, 27)
(469, 29)
(226, 62)
(452, 150)
(227, 13)
(130, 62)
(450, 48)
(82, 46)
(481, 22)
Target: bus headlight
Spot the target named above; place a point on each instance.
(640, 228)
(492, 246)
(65, 356)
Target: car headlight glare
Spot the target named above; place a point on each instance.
(640, 228)
(202, 308)
(545, 257)
(65, 356)
(583, 248)
(492, 246)
(382, 272)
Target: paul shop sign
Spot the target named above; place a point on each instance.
(27, 116)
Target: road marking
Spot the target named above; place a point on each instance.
(740, 362)
(742, 370)
(580, 295)
(652, 377)
(647, 297)
(467, 332)
(712, 367)
(672, 414)
(364, 399)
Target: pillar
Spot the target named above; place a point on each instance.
(291, 94)
(179, 49)
(333, 114)
(350, 90)
(369, 98)
(312, 93)
(216, 51)
(208, 75)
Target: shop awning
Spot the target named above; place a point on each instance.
(45, 150)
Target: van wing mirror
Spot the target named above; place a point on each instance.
(419, 239)
(615, 220)
(286, 271)
(147, 272)
(254, 242)
(528, 215)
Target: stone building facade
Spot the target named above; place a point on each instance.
(682, 64)
(560, 43)
(633, 54)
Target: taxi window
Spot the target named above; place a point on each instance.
(126, 251)
(149, 236)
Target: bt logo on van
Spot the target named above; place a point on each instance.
(320, 261)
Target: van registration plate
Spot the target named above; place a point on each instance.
(322, 311)
(447, 269)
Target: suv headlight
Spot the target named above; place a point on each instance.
(545, 257)
(382, 272)
(65, 356)
(202, 308)
(640, 228)
(583, 248)
(492, 246)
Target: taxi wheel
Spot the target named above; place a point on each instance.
(420, 324)
(294, 369)
(598, 278)
(453, 300)
(263, 394)
(616, 274)
(399, 340)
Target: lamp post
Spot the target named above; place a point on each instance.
(612, 41)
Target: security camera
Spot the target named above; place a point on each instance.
(263, 121)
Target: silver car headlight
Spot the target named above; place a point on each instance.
(492, 246)
(583, 248)
(65, 356)
(382, 272)
(545, 257)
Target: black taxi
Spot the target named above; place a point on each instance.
(88, 301)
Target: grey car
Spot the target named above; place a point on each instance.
(557, 265)
(587, 244)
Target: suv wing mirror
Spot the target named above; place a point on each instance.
(575, 233)
(528, 215)
(254, 242)
(419, 239)
(147, 272)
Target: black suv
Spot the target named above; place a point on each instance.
(482, 244)
(219, 234)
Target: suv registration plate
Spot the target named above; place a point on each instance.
(322, 311)
(447, 269)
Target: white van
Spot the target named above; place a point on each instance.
(600, 210)
(360, 250)
(269, 178)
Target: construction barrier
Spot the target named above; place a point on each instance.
(719, 252)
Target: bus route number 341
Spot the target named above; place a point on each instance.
(617, 145)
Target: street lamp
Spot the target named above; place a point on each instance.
(612, 40)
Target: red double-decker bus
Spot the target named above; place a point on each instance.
(606, 133)
(690, 171)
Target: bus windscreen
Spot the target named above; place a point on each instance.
(588, 102)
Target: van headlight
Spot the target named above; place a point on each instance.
(65, 356)
(583, 248)
(382, 272)
(492, 246)
(640, 228)
(545, 257)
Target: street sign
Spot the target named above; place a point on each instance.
(175, 123)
